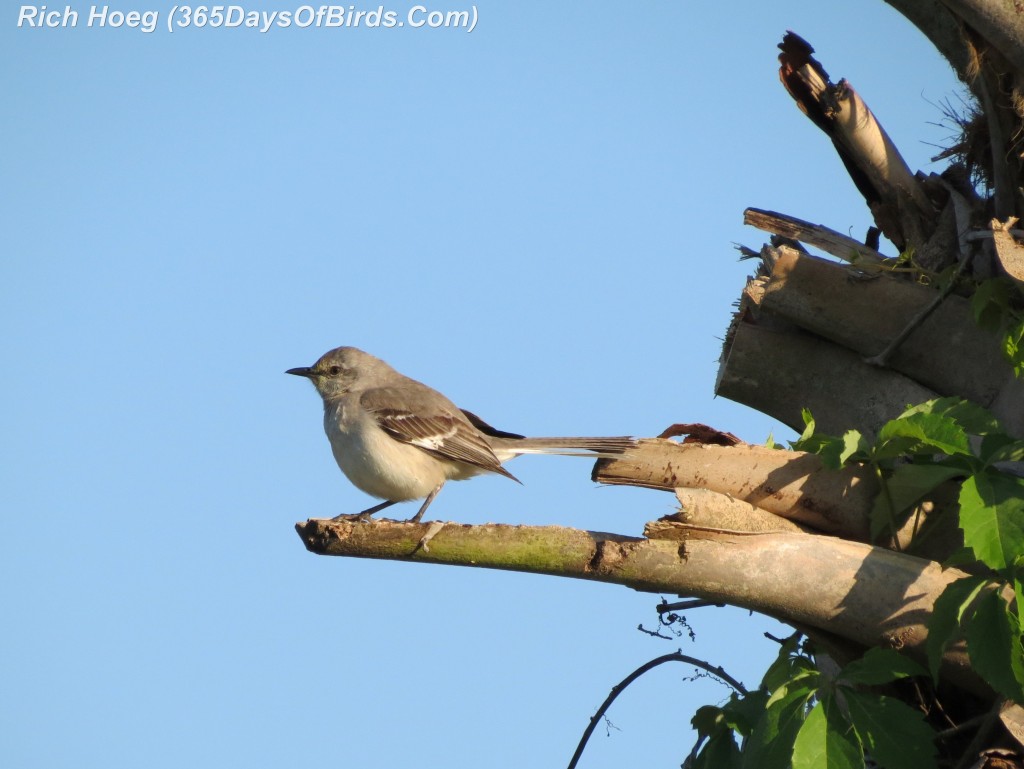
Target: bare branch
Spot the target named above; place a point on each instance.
(816, 235)
(749, 490)
(789, 484)
(865, 594)
(898, 201)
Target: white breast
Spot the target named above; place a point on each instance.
(375, 462)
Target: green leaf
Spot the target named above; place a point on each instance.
(880, 666)
(907, 484)
(829, 448)
(770, 745)
(853, 442)
(720, 752)
(947, 615)
(743, 712)
(788, 664)
(1001, 448)
(826, 741)
(707, 720)
(941, 280)
(991, 302)
(1010, 452)
(921, 430)
(801, 680)
(805, 414)
(893, 733)
(897, 448)
(993, 644)
(717, 726)
(992, 517)
(1018, 591)
(905, 257)
(973, 418)
(1013, 347)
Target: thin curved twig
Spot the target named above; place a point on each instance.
(618, 689)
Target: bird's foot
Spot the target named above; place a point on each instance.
(364, 517)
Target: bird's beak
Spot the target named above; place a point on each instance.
(305, 371)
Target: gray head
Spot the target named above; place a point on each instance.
(340, 370)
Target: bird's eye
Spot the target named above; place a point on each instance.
(334, 370)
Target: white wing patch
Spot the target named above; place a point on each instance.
(433, 442)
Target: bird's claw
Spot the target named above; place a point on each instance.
(363, 517)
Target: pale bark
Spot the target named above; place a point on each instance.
(789, 484)
(898, 201)
(1008, 251)
(754, 489)
(712, 510)
(865, 594)
(823, 298)
(859, 131)
(781, 372)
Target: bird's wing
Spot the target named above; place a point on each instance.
(422, 422)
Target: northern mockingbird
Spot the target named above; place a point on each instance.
(398, 440)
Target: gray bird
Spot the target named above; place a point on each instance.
(398, 440)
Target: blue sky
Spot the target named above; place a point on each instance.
(536, 217)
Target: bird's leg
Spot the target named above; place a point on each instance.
(366, 515)
(426, 503)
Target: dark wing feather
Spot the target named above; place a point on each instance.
(487, 429)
